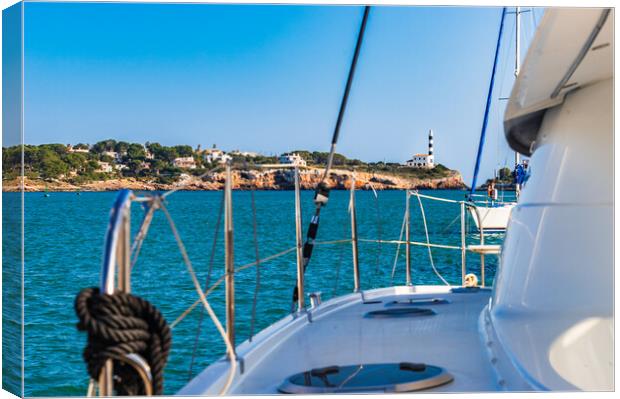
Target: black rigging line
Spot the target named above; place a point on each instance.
(321, 194)
(202, 309)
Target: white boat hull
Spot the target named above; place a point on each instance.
(493, 218)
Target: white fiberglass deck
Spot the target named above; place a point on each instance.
(339, 334)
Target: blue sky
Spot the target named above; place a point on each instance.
(268, 78)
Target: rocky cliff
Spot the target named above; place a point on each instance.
(273, 179)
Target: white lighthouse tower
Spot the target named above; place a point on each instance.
(424, 160)
(430, 161)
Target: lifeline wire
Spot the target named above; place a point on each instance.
(430, 254)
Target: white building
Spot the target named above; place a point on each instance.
(72, 149)
(148, 154)
(184, 163)
(215, 155)
(248, 154)
(293, 159)
(423, 160)
(114, 155)
(104, 167)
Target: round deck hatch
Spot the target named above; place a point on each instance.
(384, 377)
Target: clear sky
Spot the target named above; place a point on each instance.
(269, 78)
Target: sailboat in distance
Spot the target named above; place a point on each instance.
(490, 214)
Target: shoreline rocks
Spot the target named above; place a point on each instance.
(272, 179)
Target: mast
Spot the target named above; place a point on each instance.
(518, 42)
(485, 120)
(517, 68)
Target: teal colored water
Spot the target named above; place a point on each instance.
(64, 243)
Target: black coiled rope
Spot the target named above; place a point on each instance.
(118, 325)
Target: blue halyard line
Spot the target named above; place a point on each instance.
(488, 105)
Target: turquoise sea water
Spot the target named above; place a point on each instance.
(63, 250)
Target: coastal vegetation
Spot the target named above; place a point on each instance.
(504, 179)
(110, 159)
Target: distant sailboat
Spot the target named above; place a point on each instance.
(491, 214)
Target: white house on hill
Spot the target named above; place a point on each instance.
(184, 162)
(214, 155)
(292, 159)
(104, 167)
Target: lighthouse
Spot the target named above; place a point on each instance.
(431, 157)
(424, 160)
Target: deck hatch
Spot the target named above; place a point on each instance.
(383, 377)
(399, 312)
(419, 301)
(468, 290)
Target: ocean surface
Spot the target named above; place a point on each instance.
(64, 236)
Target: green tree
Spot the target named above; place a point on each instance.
(51, 165)
(105, 145)
(76, 161)
(106, 158)
(505, 174)
(184, 150)
(59, 149)
(121, 147)
(168, 154)
(136, 151)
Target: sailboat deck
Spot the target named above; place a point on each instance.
(340, 334)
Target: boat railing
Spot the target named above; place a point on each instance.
(121, 255)
(486, 201)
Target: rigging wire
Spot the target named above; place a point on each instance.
(503, 74)
(257, 286)
(143, 231)
(430, 254)
(321, 194)
(208, 280)
(340, 259)
(229, 347)
(347, 90)
(400, 239)
(185, 183)
(221, 280)
(379, 228)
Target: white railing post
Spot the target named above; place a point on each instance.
(298, 246)
(356, 271)
(481, 229)
(482, 253)
(229, 258)
(463, 245)
(408, 240)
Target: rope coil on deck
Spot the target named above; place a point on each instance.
(119, 325)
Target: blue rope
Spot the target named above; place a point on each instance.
(488, 106)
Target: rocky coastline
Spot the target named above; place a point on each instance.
(272, 179)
